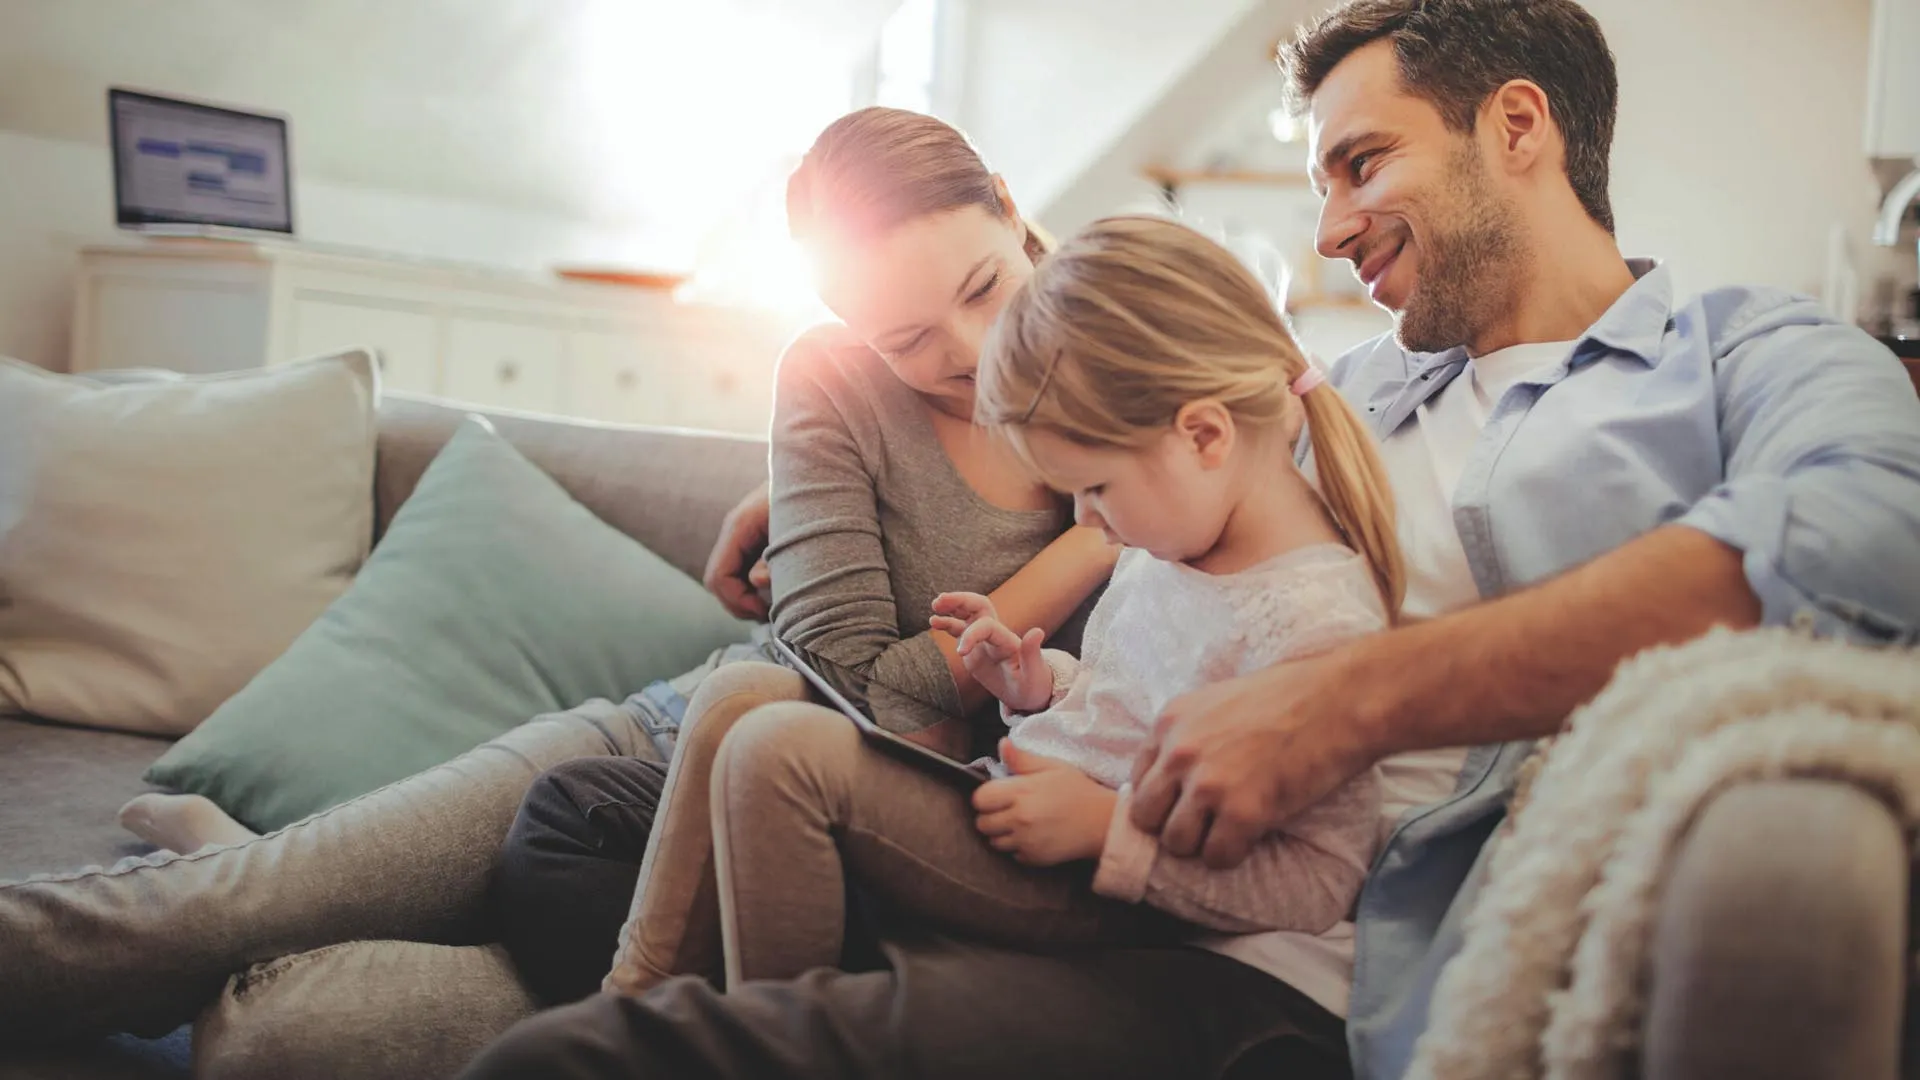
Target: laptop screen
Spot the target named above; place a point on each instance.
(179, 162)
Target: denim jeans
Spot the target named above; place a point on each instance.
(566, 873)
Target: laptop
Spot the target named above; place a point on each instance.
(963, 773)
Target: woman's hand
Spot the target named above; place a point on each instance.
(1047, 813)
(1005, 664)
(736, 573)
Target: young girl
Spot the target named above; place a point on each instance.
(1144, 371)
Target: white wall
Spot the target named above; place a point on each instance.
(58, 197)
(50, 205)
(1738, 147)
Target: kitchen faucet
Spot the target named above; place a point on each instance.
(1887, 232)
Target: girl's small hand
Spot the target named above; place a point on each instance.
(1008, 665)
(1047, 813)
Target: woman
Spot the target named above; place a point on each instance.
(886, 494)
(371, 906)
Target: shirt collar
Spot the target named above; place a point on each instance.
(1636, 325)
(1637, 322)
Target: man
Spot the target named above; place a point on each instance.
(1585, 468)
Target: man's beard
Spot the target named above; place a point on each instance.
(1469, 265)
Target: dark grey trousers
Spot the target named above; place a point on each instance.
(944, 1009)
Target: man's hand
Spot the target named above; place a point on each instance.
(735, 571)
(1005, 664)
(1047, 813)
(1231, 762)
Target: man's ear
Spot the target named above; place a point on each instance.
(1207, 427)
(1520, 117)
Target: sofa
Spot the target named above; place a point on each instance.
(1780, 949)
(61, 786)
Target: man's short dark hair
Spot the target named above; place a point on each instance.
(1456, 53)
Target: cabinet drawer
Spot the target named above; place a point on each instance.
(513, 365)
(408, 341)
(613, 375)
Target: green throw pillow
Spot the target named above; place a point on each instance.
(494, 597)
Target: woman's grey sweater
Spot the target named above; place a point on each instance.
(871, 521)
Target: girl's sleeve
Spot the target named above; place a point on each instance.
(1305, 877)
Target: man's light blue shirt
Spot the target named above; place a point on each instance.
(1749, 414)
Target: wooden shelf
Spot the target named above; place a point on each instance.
(1175, 178)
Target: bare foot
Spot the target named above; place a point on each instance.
(182, 823)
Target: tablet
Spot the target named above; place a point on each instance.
(961, 772)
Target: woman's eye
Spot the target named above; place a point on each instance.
(986, 290)
(908, 349)
(1094, 491)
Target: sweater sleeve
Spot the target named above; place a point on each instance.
(833, 597)
(1306, 877)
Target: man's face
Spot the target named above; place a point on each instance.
(1411, 204)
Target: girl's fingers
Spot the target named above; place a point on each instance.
(1030, 644)
(1002, 639)
(1000, 824)
(962, 605)
(980, 633)
(949, 625)
(994, 796)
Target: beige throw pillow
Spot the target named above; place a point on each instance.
(162, 541)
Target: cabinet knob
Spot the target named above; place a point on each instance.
(509, 371)
(626, 379)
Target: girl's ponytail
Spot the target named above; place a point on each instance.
(1353, 481)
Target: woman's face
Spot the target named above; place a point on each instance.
(924, 294)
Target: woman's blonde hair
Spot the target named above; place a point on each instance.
(875, 169)
(1136, 317)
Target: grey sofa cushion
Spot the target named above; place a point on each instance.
(60, 788)
(667, 489)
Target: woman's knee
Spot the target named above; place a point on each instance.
(732, 691)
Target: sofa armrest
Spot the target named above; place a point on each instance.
(1779, 947)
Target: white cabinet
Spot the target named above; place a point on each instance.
(469, 335)
(407, 340)
(615, 375)
(509, 363)
(1893, 80)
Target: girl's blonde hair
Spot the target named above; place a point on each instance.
(1136, 317)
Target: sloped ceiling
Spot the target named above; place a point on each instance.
(602, 110)
(1219, 89)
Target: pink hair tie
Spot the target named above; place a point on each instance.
(1308, 379)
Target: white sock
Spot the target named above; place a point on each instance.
(182, 823)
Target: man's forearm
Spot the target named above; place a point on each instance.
(1513, 668)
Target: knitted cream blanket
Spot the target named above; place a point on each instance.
(1548, 981)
